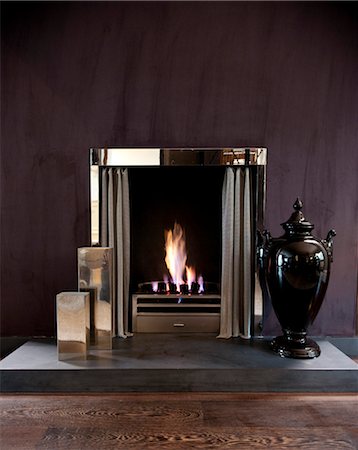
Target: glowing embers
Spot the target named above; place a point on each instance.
(168, 288)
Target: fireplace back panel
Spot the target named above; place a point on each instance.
(190, 196)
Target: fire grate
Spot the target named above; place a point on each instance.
(156, 313)
(165, 288)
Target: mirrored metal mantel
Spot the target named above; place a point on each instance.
(166, 157)
(179, 157)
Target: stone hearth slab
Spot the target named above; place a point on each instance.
(177, 363)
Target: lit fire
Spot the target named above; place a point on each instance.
(190, 276)
(175, 259)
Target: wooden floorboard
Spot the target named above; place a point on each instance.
(179, 421)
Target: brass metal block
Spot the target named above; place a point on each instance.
(73, 325)
(95, 274)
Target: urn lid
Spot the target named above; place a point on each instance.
(297, 224)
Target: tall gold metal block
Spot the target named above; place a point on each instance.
(73, 324)
(95, 274)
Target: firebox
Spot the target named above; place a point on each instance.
(182, 224)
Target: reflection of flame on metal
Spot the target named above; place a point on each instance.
(175, 259)
(155, 286)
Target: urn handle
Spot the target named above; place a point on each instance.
(328, 243)
(264, 241)
(267, 238)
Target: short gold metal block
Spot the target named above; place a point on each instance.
(73, 324)
(95, 274)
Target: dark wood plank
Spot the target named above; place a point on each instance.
(180, 421)
(21, 437)
(225, 438)
(278, 412)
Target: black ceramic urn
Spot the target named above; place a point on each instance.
(295, 272)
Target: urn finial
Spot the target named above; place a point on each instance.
(297, 224)
(298, 205)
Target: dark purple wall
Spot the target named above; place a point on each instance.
(85, 74)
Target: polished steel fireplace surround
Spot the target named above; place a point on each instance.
(237, 309)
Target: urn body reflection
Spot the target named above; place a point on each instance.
(295, 270)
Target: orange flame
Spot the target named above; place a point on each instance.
(176, 256)
(190, 276)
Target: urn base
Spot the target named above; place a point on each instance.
(295, 346)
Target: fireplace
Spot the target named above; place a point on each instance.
(182, 224)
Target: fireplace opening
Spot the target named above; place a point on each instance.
(175, 217)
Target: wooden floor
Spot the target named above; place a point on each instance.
(179, 421)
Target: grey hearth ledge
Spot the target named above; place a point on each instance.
(177, 363)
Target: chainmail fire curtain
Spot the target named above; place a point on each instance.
(237, 254)
(115, 233)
